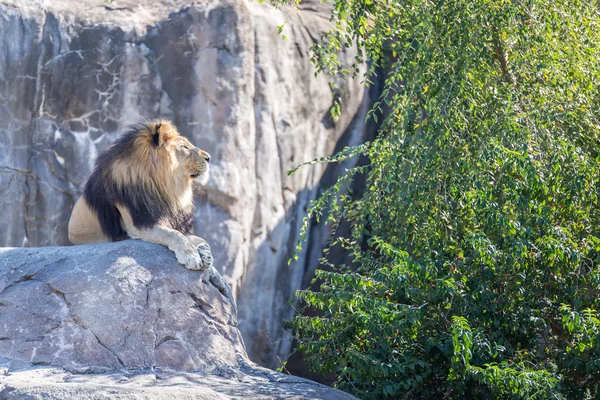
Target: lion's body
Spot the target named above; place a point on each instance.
(84, 225)
(141, 187)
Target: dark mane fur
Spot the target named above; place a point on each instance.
(146, 207)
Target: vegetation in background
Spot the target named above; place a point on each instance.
(476, 244)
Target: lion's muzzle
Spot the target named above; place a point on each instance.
(200, 166)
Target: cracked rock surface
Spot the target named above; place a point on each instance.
(124, 319)
(253, 383)
(74, 74)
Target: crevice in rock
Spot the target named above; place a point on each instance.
(283, 173)
(24, 278)
(154, 327)
(201, 308)
(80, 323)
(59, 294)
(300, 53)
(216, 280)
(200, 305)
(107, 349)
(148, 289)
(147, 297)
(52, 329)
(20, 171)
(155, 337)
(117, 8)
(305, 27)
(167, 338)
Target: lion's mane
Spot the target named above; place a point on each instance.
(137, 172)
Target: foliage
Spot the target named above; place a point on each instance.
(476, 243)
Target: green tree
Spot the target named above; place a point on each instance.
(476, 243)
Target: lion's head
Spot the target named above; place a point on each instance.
(155, 158)
(173, 153)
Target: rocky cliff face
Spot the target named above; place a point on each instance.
(74, 74)
(125, 320)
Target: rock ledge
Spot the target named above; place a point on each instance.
(125, 320)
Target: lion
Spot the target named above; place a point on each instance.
(141, 188)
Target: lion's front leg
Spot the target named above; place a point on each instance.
(203, 250)
(185, 251)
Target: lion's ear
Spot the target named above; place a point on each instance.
(161, 134)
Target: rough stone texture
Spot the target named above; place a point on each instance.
(124, 320)
(253, 383)
(102, 307)
(73, 74)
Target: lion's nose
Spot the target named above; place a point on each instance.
(207, 157)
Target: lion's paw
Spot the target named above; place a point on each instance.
(205, 255)
(188, 256)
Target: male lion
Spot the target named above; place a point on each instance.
(141, 187)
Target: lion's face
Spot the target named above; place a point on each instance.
(161, 154)
(192, 160)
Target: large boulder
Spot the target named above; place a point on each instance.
(125, 320)
(73, 74)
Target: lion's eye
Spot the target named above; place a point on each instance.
(187, 147)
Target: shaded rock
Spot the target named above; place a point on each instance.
(124, 319)
(74, 74)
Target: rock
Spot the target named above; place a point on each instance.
(124, 320)
(98, 308)
(73, 75)
(254, 383)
